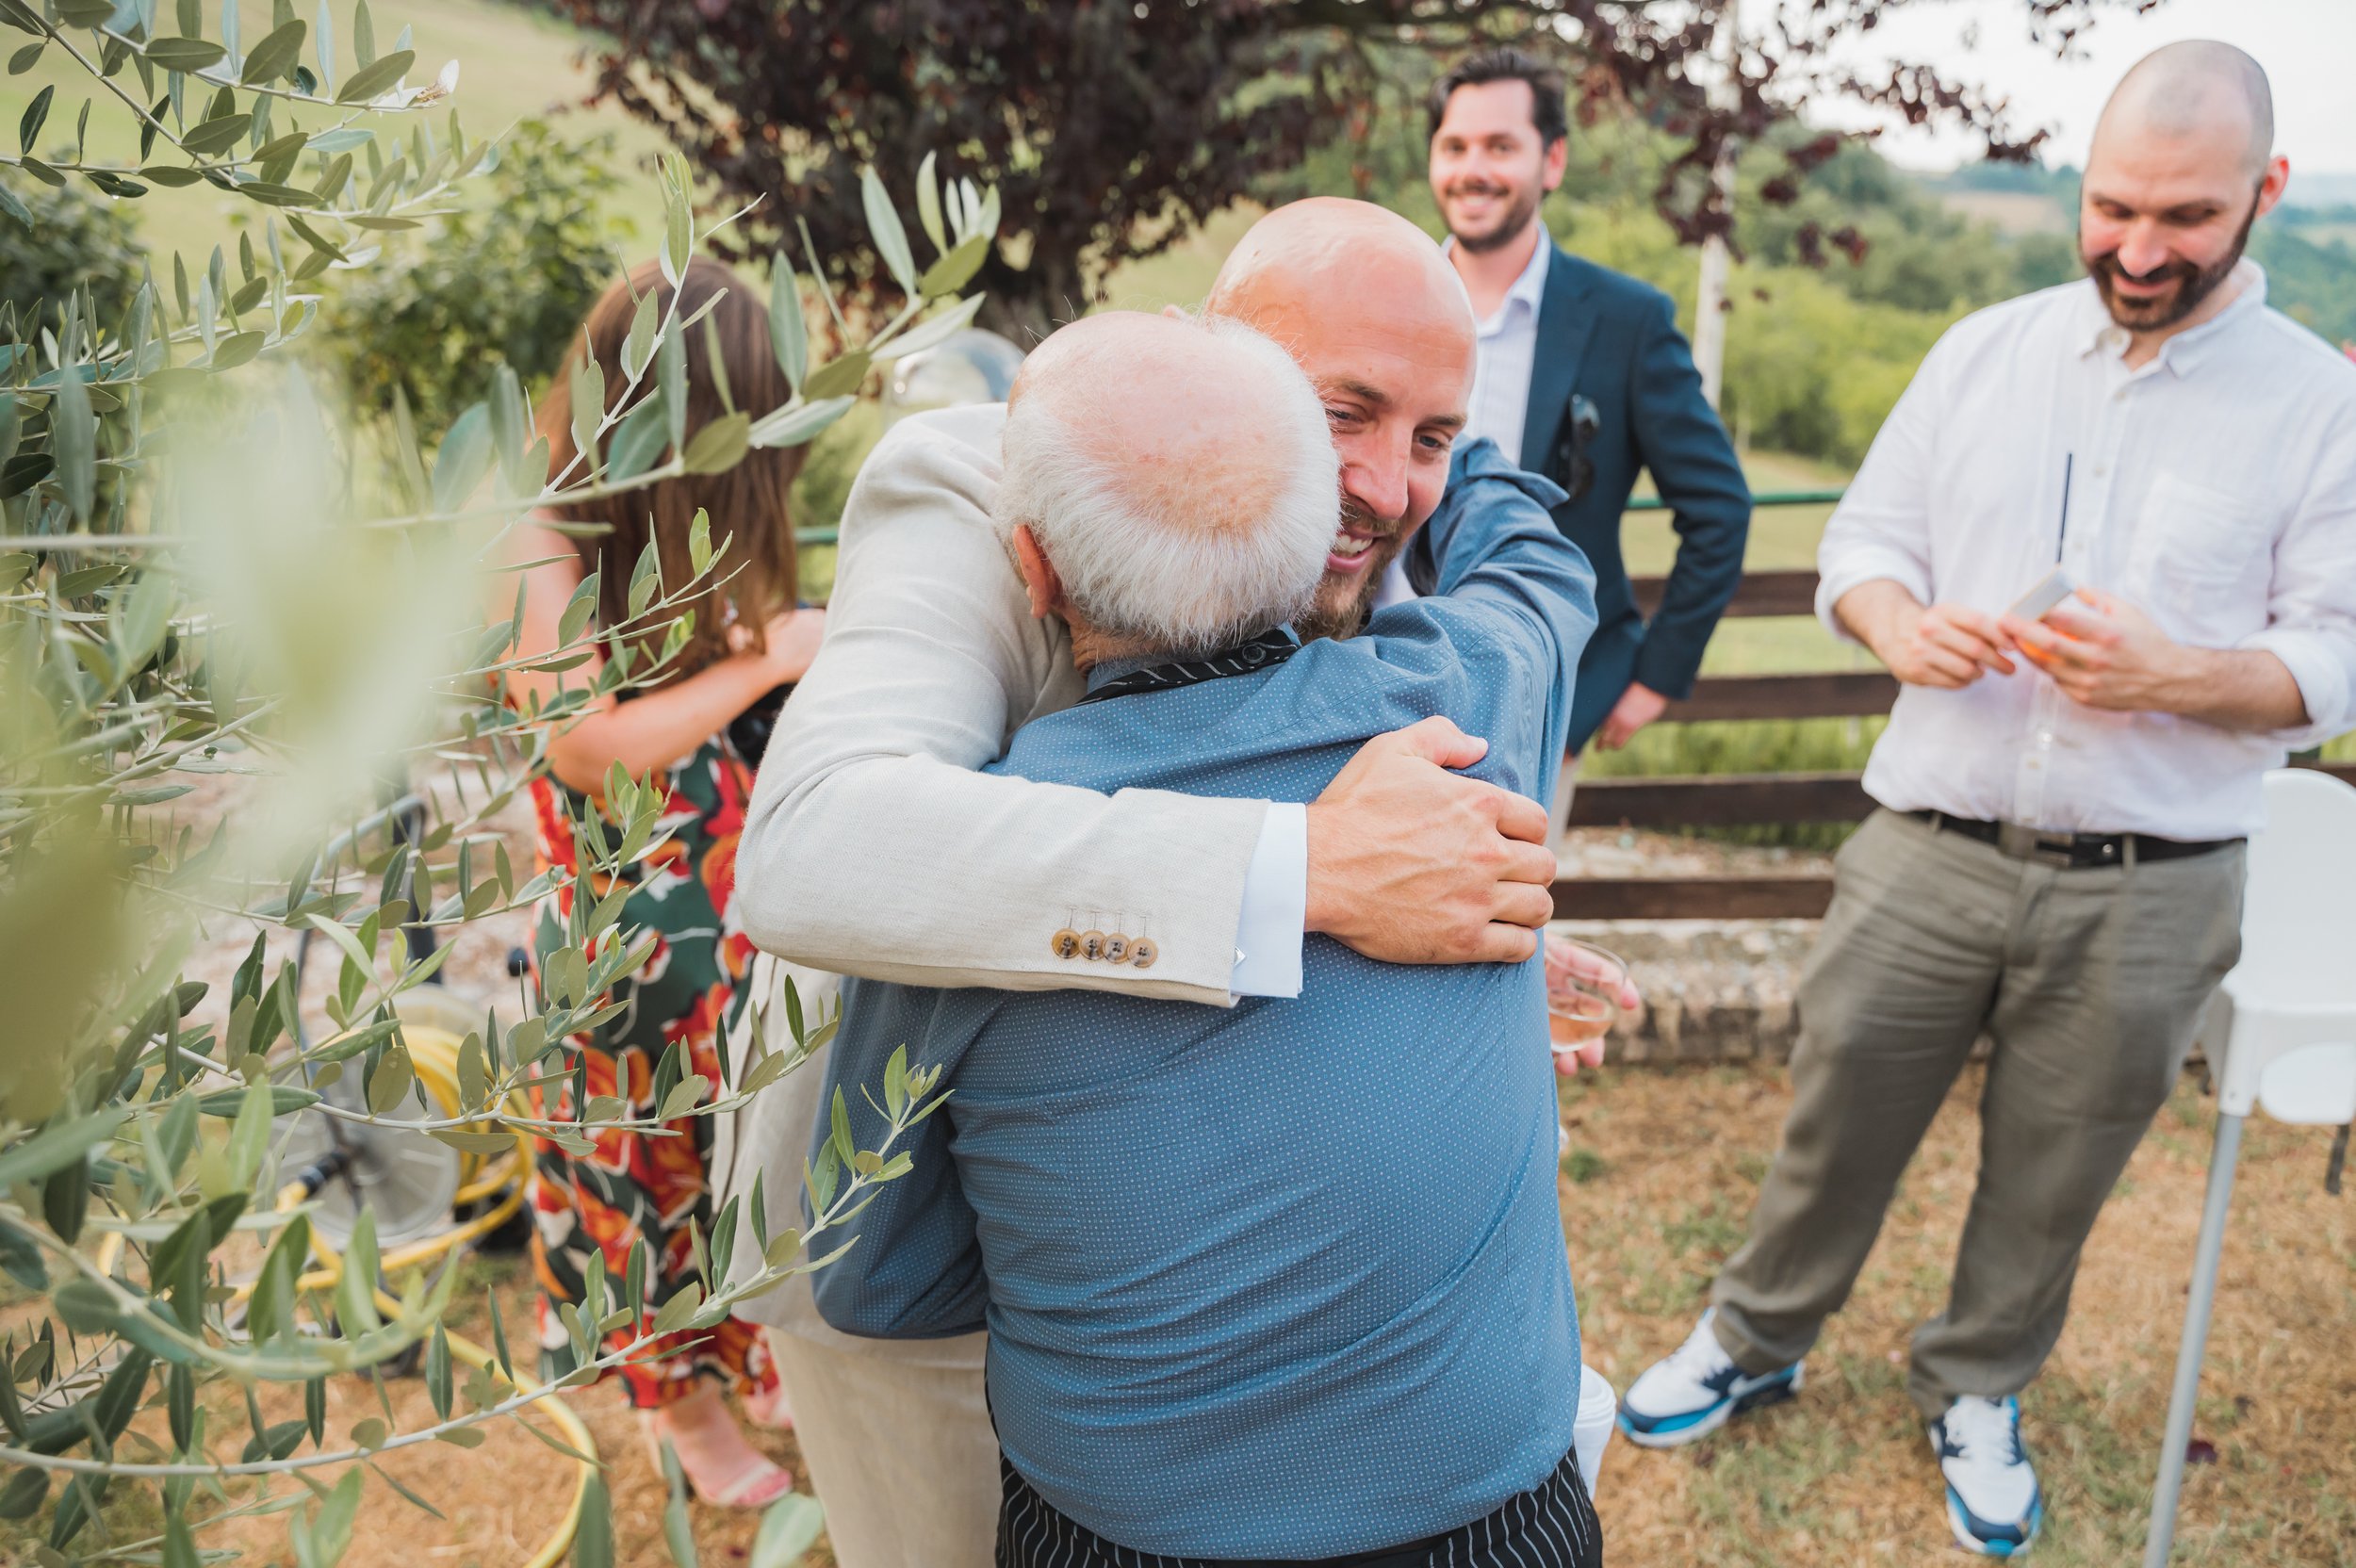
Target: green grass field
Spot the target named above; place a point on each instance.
(514, 65)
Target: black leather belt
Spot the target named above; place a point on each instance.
(2070, 851)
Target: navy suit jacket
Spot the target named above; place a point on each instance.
(1613, 340)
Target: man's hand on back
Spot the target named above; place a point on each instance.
(1413, 864)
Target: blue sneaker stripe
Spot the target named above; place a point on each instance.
(1634, 1421)
(2001, 1539)
(1992, 1538)
(1676, 1422)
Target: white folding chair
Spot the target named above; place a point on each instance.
(2284, 1022)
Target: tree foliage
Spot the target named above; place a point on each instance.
(78, 239)
(248, 681)
(505, 276)
(1112, 129)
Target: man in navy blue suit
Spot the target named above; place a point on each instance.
(1585, 377)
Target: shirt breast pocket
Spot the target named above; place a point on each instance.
(2205, 562)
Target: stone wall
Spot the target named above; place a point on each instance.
(1713, 991)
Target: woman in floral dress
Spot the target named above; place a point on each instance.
(748, 640)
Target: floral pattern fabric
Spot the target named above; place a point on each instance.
(591, 1210)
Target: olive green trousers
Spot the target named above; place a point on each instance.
(2090, 983)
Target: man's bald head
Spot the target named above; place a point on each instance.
(1176, 475)
(2199, 90)
(1373, 312)
(2180, 167)
(1310, 256)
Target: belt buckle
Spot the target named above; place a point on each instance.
(2023, 843)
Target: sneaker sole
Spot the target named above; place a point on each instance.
(1972, 1543)
(1757, 1398)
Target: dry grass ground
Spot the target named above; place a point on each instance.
(494, 1506)
(1668, 1160)
(1654, 1194)
(500, 1501)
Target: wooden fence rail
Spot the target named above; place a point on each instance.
(1779, 592)
(1822, 694)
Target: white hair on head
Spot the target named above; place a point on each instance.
(1182, 482)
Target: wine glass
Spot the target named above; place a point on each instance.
(1584, 986)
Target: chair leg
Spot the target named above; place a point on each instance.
(2190, 1355)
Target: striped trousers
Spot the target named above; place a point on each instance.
(1552, 1525)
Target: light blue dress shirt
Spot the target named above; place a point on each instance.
(1286, 1280)
(1507, 348)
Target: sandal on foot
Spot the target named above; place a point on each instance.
(753, 1480)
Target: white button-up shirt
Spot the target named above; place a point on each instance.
(2214, 487)
(1507, 349)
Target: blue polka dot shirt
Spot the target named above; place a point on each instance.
(1284, 1279)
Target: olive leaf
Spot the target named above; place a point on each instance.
(274, 57)
(370, 80)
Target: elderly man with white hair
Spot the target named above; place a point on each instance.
(1284, 1281)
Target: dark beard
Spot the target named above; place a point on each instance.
(2193, 284)
(1517, 216)
(1330, 617)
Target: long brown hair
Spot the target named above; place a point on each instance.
(748, 508)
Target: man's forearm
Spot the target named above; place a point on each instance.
(1875, 612)
(911, 870)
(1680, 438)
(1494, 539)
(2247, 689)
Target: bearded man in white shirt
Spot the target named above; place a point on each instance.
(2059, 859)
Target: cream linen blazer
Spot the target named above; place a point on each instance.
(871, 847)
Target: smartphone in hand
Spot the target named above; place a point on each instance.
(2054, 587)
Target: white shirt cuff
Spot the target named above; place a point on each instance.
(1275, 906)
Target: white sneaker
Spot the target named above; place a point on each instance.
(1697, 1390)
(1993, 1504)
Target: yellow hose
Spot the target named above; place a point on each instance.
(552, 1549)
(500, 1173)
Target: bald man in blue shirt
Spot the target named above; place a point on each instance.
(1284, 1282)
